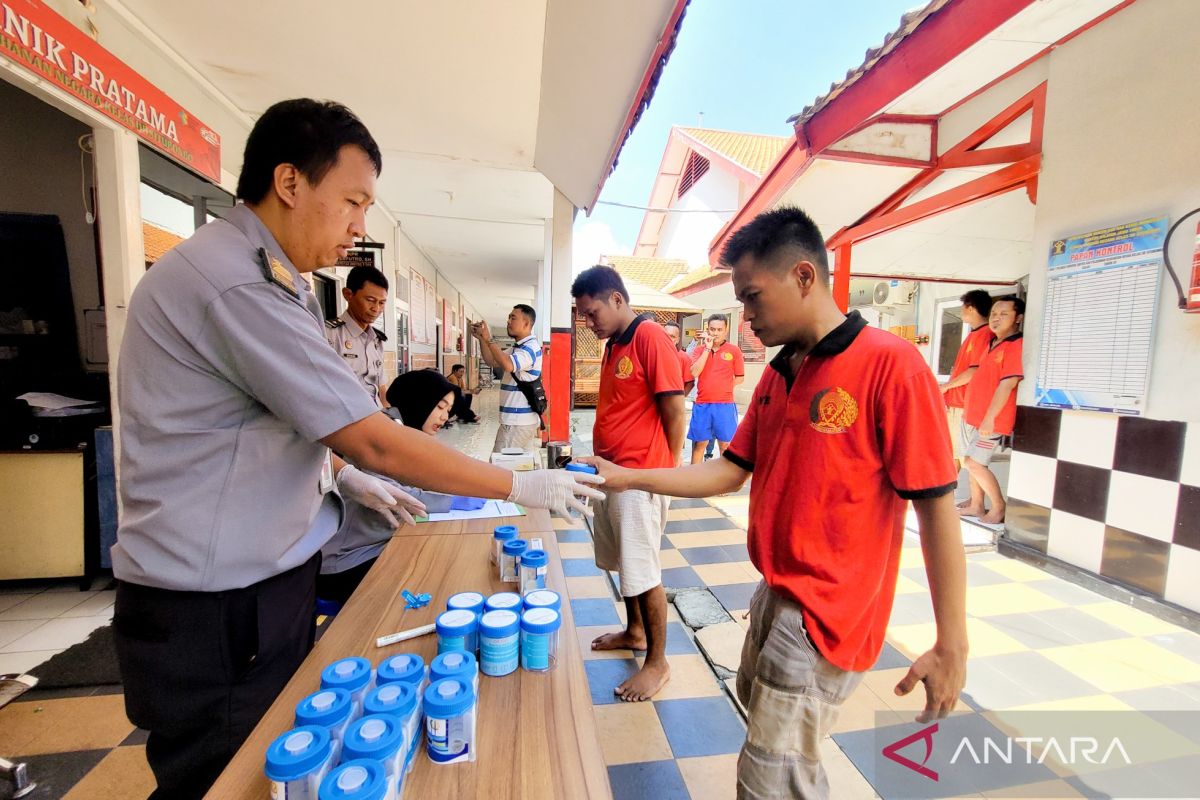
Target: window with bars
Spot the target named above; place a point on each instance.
(696, 166)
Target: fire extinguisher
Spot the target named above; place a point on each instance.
(1189, 301)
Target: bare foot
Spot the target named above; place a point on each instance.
(970, 511)
(645, 684)
(964, 504)
(993, 517)
(619, 641)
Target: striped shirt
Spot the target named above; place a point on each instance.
(527, 359)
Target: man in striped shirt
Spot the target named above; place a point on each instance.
(518, 423)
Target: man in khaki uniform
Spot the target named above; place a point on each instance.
(353, 335)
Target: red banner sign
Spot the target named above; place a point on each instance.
(48, 45)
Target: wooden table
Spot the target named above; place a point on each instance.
(535, 522)
(536, 733)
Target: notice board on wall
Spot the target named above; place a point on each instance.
(1098, 328)
(417, 309)
(432, 310)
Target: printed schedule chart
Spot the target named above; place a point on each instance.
(1097, 334)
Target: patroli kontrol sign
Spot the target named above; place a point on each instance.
(45, 43)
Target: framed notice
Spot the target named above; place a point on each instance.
(431, 313)
(417, 309)
(1098, 329)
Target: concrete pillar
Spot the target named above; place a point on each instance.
(122, 250)
(562, 320)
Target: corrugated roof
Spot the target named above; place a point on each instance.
(908, 23)
(652, 272)
(754, 151)
(157, 241)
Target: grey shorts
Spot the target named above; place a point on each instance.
(792, 694)
(627, 530)
(980, 449)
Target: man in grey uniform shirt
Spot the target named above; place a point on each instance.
(230, 401)
(353, 334)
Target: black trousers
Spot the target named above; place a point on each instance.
(201, 668)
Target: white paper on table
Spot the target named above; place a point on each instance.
(491, 510)
(53, 401)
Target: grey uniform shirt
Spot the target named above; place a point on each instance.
(226, 385)
(361, 348)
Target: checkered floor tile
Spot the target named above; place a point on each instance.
(1037, 642)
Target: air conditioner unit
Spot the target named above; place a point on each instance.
(894, 293)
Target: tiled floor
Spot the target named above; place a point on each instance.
(1037, 642)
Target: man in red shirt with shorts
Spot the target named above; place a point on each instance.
(991, 408)
(639, 425)
(844, 429)
(717, 366)
(976, 305)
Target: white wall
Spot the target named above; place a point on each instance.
(40, 165)
(688, 235)
(1120, 144)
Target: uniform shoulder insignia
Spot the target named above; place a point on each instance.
(276, 273)
(334, 323)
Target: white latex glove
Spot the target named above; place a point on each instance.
(378, 495)
(555, 489)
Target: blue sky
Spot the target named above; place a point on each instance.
(747, 65)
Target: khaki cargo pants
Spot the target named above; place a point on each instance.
(793, 695)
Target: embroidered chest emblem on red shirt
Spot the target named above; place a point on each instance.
(624, 367)
(727, 356)
(832, 410)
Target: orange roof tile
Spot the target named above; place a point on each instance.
(692, 277)
(157, 241)
(754, 151)
(652, 272)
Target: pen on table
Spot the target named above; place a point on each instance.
(411, 633)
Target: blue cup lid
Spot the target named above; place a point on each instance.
(406, 667)
(472, 601)
(543, 598)
(588, 468)
(373, 736)
(351, 674)
(448, 697)
(533, 558)
(503, 600)
(397, 698)
(504, 532)
(458, 622)
(540, 620)
(298, 752)
(515, 547)
(450, 665)
(361, 779)
(327, 707)
(496, 624)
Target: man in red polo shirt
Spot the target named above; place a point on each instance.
(976, 305)
(639, 424)
(991, 407)
(717, 366)
(685, 361)
(845, 427)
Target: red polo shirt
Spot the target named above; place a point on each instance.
(638, 366)
(1002, 360)
(969, 355)
(837, 451)
(716, 380)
